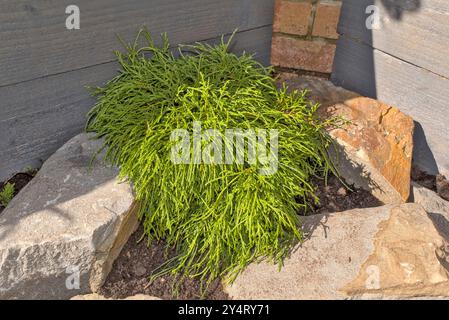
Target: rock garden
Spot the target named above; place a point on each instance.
(112, 215)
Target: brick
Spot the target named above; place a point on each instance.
(277, 16)
(301, 54)
(292, 17)
(326, 20)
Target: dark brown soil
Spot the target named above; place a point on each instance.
(129, 275)
(422, 178)
(442, 186)
(438, 183)
(19, 180)
(336, 197)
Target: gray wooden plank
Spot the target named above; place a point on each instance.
(34, 154)
(25, 98)
(415, 31)
(38, 116)
(35, 42)
(415, 91)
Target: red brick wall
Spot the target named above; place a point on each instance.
(305, 34)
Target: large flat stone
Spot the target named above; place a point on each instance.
(69, 222)
(386, 252)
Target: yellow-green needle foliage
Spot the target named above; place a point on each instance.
(7, 194)
(217, 217)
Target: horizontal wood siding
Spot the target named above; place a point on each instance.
(418, 34)
(45, 68)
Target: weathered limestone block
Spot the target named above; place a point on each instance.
(61, 233)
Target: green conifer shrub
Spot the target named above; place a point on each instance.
(217, 217)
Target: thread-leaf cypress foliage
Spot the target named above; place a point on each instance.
(217, 217)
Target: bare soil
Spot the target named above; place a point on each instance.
(336, 196)
(130, 272)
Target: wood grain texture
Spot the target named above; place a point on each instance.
(35, 42)
(38, 116)
(415, 91)
(416, 31)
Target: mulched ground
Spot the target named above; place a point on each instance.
(19, 180)
(129, 275)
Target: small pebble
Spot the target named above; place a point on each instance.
(333, 205)
(139, 270)
(342, 192)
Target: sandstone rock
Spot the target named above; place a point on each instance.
(96, 296)
(375, 148)
(61, 233)
(385, 252)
